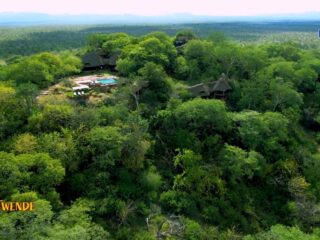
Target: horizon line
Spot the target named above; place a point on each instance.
(160, 15)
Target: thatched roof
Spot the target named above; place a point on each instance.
(200, 90)
(92, 60)
(112, 59)
(206, 89)
(97, 59)
(221, 85)
(182, 40)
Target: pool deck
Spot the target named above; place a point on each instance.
(90, 80)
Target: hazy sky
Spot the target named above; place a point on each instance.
(162, 7)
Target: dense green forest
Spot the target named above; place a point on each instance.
(153, 161)
(31, 40)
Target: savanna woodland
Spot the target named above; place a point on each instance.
(162, 155)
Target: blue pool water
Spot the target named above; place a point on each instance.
(107, 81)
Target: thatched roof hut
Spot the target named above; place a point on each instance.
(112, 59)
(93, 60)
(217, 88)
(221, 85)
(98, 59)
(201, 90)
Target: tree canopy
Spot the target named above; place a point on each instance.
(149, 159)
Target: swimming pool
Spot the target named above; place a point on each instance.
(107, 81)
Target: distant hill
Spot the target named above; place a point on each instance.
(32, 19)
(21, 40)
